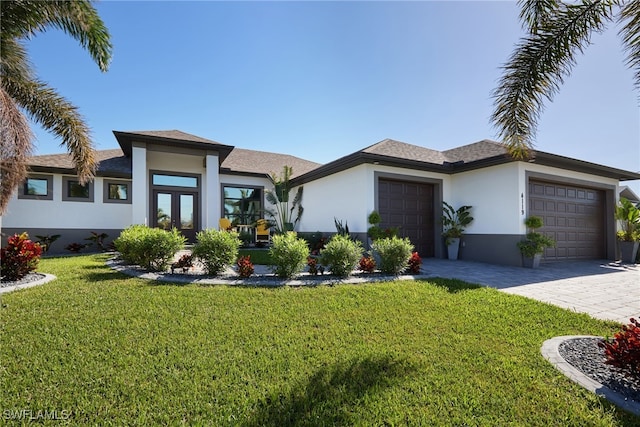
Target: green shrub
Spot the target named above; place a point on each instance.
(341, 255)
(394, 253)
(289, 255)
(216, 249)
(150, 248)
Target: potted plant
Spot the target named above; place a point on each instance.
(628, 216)
(454, 222)
(534, 244)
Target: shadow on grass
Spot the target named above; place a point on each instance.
(332, 394)
(452, 286)
(94, 277)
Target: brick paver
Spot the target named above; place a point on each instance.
(605, 290)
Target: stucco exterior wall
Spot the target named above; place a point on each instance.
(494, 193)
(350, 196)
(56, 213)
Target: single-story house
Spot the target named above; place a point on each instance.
(175, 179)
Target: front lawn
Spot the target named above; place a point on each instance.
(110, 349)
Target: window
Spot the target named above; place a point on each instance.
(37, 187)
(174, 181)
(116, 191)
(242, 205)
(73, 191)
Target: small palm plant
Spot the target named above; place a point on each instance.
(285, 214)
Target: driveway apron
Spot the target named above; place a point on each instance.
(602, 289)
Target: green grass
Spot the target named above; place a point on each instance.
(258, 256)
(118, 350)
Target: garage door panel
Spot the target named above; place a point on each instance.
(573, 216)
(409, 206)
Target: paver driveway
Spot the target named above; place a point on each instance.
(603, 289)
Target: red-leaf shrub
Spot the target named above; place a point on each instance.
(414, 263)
(245, 266)
(623, 351)
(19, 257)
(312, 263)
(367, 264)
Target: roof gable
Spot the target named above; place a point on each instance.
(402, 150)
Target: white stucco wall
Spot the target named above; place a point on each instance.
(499, 194)
(494, 193)
(56, 213)
(346, 195)
(350, 196)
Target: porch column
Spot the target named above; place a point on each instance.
(211, 200)
(139, 185)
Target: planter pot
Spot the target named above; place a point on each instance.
(453, 247)
(628, 251)
(534, 262)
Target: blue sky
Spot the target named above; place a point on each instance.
(321, 80)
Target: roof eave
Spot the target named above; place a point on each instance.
(554, 160)
(125, 139)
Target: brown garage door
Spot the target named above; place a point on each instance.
(573, 216)
(408, 205)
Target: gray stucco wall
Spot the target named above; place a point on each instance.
(67, 236)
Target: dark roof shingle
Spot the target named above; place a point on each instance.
(262, 162)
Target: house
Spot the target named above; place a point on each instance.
(174, 179)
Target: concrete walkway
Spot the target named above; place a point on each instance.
(605, 290)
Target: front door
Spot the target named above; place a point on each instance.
(176, 209)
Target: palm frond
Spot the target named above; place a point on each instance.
(538, 67)
(16, 142)
(630, 32)
(57, 115)
(533, 13)
(77, 18)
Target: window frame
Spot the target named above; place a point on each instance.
(105, 192)
(65, 188)
(22, 194)
(261, 212)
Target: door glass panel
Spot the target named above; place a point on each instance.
(186, 211)
(163, 213)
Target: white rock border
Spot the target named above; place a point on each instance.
(46, 279)
(550, 352)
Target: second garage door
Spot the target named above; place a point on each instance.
(573, 216)
(409, 205)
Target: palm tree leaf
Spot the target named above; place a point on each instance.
(15, 147)
(630, 32)
(57, 115)
(537, 68)
(534, 13)
(77, 18)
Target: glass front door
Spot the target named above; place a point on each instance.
(176, 209)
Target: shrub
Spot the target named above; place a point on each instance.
(289, 254)
(245, 266)
(185, 263)
(312, 263)
(394, 253)
(75, 247)
(216, 249)
(150, 248)
(46, 241)
(341, 255)
(623, 351)
(367, 264)
(414, 263)
(19, 258)
(98, 239)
